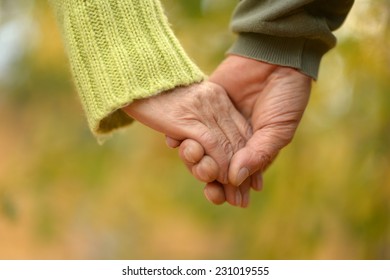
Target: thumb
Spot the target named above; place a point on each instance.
(258, 153)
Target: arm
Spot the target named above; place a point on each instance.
(120, 51)
(124, 56)
(293, 33)
(276, 41)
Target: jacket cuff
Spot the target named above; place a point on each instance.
(300, 53)
(120, 51)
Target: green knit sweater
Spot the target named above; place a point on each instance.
(119, 51)
(122, 50)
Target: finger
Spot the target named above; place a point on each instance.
(238, 196)
(228, 130)
(232, 195)
(234, 126)
(188, 113)
(172, 143)
(206, 170)
(217, 194)
(257, 181)
(202, 166)
(245, 193)
(191, 152)
(242, 126)
(257, 155)
(218, 148)
(214, 192)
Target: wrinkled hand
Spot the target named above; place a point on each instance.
(273, 99)
(202, 112)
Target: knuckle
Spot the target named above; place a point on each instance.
(208, 141)
(227, 148)
(264, 159)
(240, 143)
(206, 171)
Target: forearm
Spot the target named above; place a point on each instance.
(290, 33)
(120, 51)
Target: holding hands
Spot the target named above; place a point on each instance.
(272, 99)
(201, 112)
(228, 129)
(228, 143)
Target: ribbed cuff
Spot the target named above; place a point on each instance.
(302, 54)
(119, 51)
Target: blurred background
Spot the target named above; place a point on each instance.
(62, 196)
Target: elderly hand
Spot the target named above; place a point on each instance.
(202, 112)
(273, 99)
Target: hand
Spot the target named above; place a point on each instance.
(273, 99)
(201, 112)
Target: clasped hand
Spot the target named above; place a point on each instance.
(230, 128)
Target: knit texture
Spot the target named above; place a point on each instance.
(294, 33)
(298, 53)
(119, 51)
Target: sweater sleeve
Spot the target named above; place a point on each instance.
(119, 51)
(295, 33)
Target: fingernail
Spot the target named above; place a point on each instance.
(207, 195)
(245, 200)
(242, 175)
(238, 197)
(214, 193)
(188, 155)
(259, 182)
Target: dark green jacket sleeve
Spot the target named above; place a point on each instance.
(294, 33)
